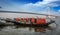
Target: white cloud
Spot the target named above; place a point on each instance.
(43, 2)
(26, 7)
(30, 7)
(37, 6)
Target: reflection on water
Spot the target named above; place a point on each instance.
(18, 30)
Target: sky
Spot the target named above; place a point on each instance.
(50, 7)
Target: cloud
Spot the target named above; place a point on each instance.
(38, 7)
(43, 2)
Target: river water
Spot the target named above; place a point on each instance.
(20, 30)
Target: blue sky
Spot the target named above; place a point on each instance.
(51, 7)
(26, 1)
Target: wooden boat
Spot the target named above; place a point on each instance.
(30, 22)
